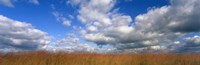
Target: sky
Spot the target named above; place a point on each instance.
(102, 26)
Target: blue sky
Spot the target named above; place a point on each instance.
(122, 25)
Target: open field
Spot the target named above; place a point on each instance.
(45, 58)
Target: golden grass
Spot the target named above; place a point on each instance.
(45, 58)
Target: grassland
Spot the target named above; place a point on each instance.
(45, 58)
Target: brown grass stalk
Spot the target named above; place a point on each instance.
(46, 58)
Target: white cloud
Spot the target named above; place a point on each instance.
(73, 2)
(192, 41)
(71, 17)
(95, 10)
(189, 45)
(20, 35)
(7, 3)
(59, 17)
(104, 26)
(92, 28)
(158, 27)
(67, 23)
(98, 38)
(173, 21)
(36, 2)
(180, 16)
(10, 3)
(70, 44)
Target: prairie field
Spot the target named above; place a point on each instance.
(46, 58)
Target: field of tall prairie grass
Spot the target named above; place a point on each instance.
(45, 58)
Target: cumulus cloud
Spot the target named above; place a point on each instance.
(98, 38)
(20, 35)
(173, 21)
(180, 16)
(191, 45)
(104, 25)
(192, 41)
(70, 44)
(159, 28)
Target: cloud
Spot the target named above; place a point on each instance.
(181, 16)
(192, 41)
(104, 25)
(74, 2)
(159, 27)
(59, 17)
(95, 11)
(191, 45)
(20, 35)
(67, 23)
(71, 17)
(36, 2)
(70, 44)
(7, 3)
(98, 38)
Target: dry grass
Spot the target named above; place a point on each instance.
(45, 58)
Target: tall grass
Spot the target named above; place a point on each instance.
(45, 58)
